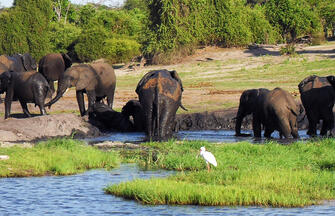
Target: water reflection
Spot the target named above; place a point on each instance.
(83, 195)
(208, 135)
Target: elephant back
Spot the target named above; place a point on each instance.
(52, 66)
(166, 82)
(313, 82)
(5, 61)
(105, 73)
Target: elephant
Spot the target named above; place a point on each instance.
(275, 110)
(97, 80)
(248, 105)
(278, 111)
(107, 119)
(18, 62)
(134, 109)
(317, 96)
(52, 66)
(28, 87)
(160, 93)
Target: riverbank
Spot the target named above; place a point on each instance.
(295, 175)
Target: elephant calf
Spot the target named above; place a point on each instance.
(275, 110)
(134, 109)
(27, 87)
(106, 118)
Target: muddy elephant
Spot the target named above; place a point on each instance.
(249, 101)
(97, 80)
(28, 87)
(275, 110)
(160, 93)
(278, 111)
(52, 66)
(317, 96)
(18, 62)
(133, 108)
(107, 119)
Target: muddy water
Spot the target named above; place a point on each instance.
(83, 195)
(208, 135)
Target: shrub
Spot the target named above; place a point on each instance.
(62, 36)
(121, 50)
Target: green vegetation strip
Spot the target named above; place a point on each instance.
(275, 175)
(54, 157)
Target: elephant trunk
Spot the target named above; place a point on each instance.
(63, 85)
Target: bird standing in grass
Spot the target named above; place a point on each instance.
(208, 157)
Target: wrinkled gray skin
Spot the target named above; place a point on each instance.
(18, 62)
(278, 111)
(28, 87)
(317, 96)
(52, 66)
(134, 109)
(248, 105)
(160, 94)
(107, 119)
(97, 80)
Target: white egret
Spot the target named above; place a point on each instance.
(208, 157)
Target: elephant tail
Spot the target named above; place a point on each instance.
(156, 115)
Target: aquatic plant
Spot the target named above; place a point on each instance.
(55, 157)
(275, 175)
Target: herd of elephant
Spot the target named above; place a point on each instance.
(159, 97)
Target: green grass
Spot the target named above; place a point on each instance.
(275, 175)
(54, 157)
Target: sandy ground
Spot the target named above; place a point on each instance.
(64, 119)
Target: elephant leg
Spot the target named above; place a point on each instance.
(256, 126)
(110, 98)
(328, 123)
(91, 96)
(312, 122)
(25, 109)
(52, 88)
(81, 103)
(284, 127)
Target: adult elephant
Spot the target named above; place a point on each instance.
(52, 66)
(249, 102)
(18, 62)
(97, 80)
(317, 96)
(278, 111)
(134, 109)
(160, 94)
(28, 87)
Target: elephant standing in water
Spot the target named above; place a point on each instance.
(160, 94)
(28, 87)
(248, 105)
(317, 96)
(97, 80)
(275, 110)
(52, 66)
(134, 109)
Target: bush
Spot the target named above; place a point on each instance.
(62, 36)
(90, 44)
(121, 50)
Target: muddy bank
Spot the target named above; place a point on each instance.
(221, 119)
(45, 127)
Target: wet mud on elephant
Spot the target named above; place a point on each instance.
(160, 93)
(317, 96)
(28, 87)
(134, 109)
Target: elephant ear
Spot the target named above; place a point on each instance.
(144, 79)
(28, 62)
(5, 81)
(67, 60)
(175, 76)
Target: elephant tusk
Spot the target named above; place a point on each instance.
(183, 107)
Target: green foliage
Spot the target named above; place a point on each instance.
(293, 17)
(289, 49)
(274, 175)
(62, 36)
(90, 44)
(56, 157)
(120, 50)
